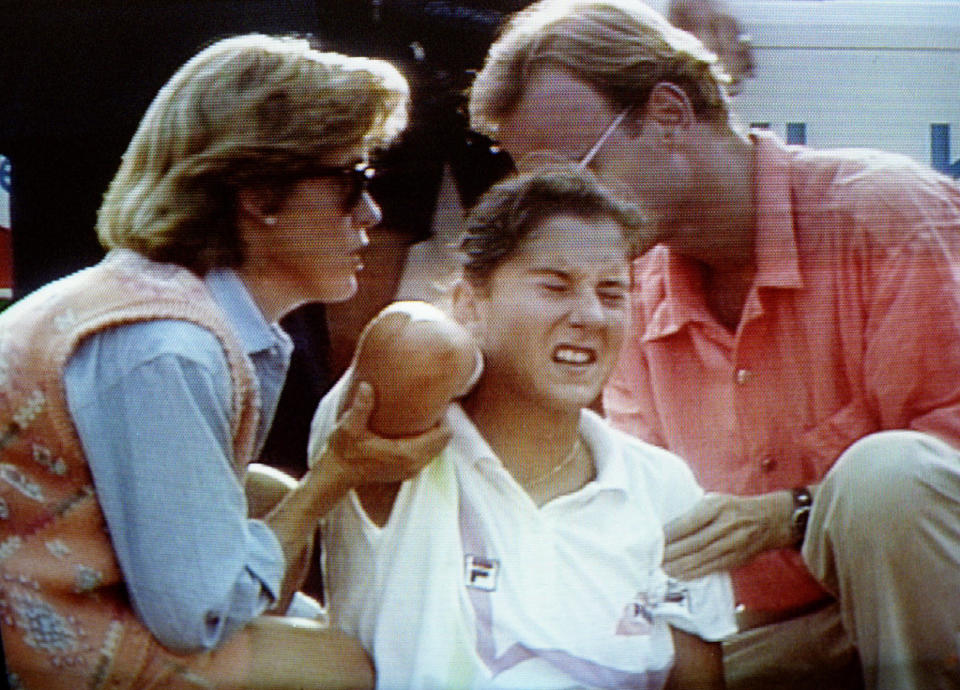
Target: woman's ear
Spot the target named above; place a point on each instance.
(465, 306)
(254, 205)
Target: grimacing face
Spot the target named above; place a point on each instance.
(553, 317)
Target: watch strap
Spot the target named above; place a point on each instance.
(802, 502)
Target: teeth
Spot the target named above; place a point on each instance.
(573, 355)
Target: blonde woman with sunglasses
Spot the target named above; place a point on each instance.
(135, 393)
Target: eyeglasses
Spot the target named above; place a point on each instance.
(355, 180)
(540, 159)
(595, 149)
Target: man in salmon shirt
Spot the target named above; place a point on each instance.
(796, 338)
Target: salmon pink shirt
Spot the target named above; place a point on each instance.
(852, 326)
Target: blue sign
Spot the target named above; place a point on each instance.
(940, 150)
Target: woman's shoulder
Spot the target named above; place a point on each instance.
(130, 345)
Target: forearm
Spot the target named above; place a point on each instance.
(698, 665)
(265, 487)
(295, 517)
(778, 509)
(723, 532)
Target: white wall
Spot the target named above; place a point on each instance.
(873, 73)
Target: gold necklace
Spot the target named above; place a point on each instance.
(559, 466)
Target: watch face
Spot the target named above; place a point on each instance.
(802, 500)
(801, 497)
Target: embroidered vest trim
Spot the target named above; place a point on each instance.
(65, 615)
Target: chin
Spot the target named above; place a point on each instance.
(570, 398)
(338, 293)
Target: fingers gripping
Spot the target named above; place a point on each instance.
(373, 458)
(357, 415)
(720, 533)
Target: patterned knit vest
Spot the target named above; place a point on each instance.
(65, 615)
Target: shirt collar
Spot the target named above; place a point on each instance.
(776, 250)
(253, 331)
(680, 298)
(671, 290)
(607, 455)
(470, 447)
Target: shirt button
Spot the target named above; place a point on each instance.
(743, 375)
(767, 463)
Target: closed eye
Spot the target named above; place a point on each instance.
(551, 281)
(553, 286)
(613, 295)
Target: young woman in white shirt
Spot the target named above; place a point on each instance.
(527, 555)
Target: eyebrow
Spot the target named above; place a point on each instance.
(557, 272)
(566, 273)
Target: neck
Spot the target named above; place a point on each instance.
(719, 224)
(529, 439)
(719, 213)
(271, 298)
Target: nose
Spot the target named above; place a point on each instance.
(587, 311)
(366, 213)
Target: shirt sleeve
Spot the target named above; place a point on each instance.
(911, 359)
(702, 607)
(151, 403)
(705, 606)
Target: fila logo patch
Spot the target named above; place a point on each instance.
(480, 572)
(670, 597)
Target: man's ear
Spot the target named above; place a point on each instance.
(669, 108)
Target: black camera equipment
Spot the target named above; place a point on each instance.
(438, 44)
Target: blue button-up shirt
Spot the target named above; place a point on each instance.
(151, 402)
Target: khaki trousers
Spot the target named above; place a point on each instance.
(884, 538)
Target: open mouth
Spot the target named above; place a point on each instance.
(570, 354)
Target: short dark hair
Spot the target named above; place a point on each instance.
(514, 207)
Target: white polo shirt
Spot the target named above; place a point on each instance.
(471, 585)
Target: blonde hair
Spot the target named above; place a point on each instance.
(621, 48)
(251, 110)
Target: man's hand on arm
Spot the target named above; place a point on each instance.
(723, 532)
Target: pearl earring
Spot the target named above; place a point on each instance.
(270, 220)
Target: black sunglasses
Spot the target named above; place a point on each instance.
(354, 178)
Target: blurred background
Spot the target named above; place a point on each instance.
(76, 77)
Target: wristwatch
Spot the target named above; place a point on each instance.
(802, 501)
